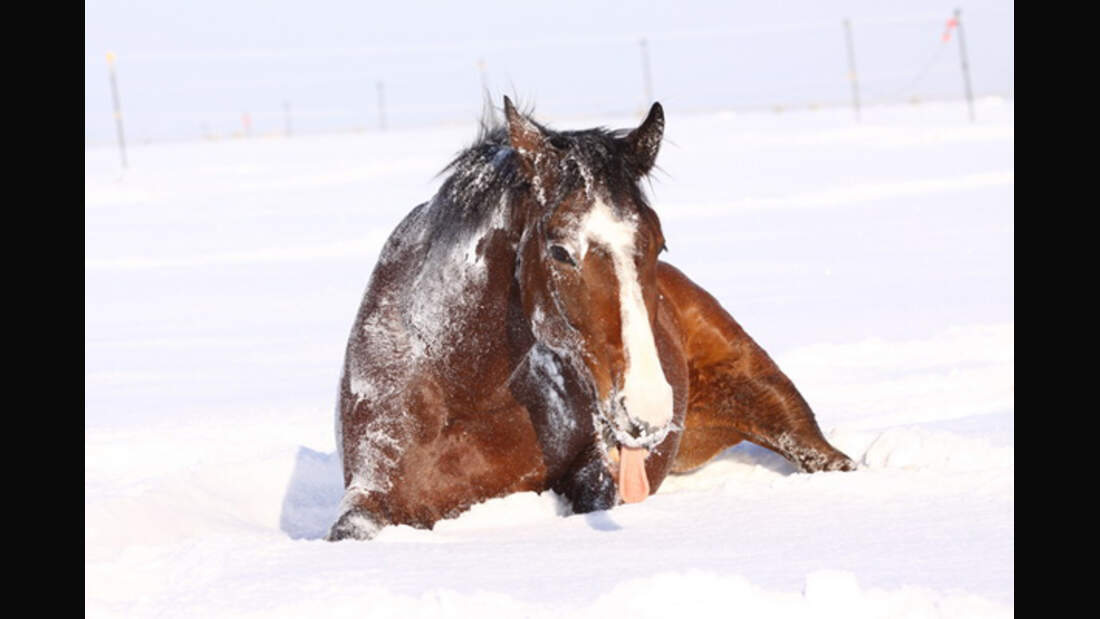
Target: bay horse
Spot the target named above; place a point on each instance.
(519, 333)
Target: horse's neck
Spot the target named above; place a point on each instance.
(458, 298)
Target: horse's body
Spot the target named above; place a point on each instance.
(519, 333)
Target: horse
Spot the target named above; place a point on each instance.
(520, 333)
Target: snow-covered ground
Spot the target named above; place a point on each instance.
(873, 261)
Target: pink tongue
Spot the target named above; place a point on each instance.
(633, 484)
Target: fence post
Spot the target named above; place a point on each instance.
(381, 105)
(484, 78)
(646, 76)
(853, 77)
(117, 108)
(965, 65)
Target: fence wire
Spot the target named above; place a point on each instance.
(214, 94)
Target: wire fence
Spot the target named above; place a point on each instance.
(216, 95)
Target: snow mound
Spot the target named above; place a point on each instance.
(826, 594)
(915, 448)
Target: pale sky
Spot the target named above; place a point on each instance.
(185, 68)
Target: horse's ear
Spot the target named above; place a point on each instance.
(644, 142)
(524, 136)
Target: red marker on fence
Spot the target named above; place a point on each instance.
(951, 23)
(956, 23)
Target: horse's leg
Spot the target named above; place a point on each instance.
(550, 390)
(372, 444)
(378, 437)
(700, 443)
(737, 392)
(357, 520)
(412, 460)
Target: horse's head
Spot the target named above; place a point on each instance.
(588, 266)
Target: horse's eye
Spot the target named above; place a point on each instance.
(664, 248)
(561, 255)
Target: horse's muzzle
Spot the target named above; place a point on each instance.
(620, 428)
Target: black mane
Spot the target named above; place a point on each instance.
(481, 175)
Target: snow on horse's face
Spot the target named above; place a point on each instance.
(588, 268)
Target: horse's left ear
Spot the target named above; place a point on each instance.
(644, 142)
(524, 136)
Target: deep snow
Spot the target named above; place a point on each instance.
(874, 262)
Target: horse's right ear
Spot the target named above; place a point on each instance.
(645, 141)
(524, 136)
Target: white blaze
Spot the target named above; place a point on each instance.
(647, 395)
